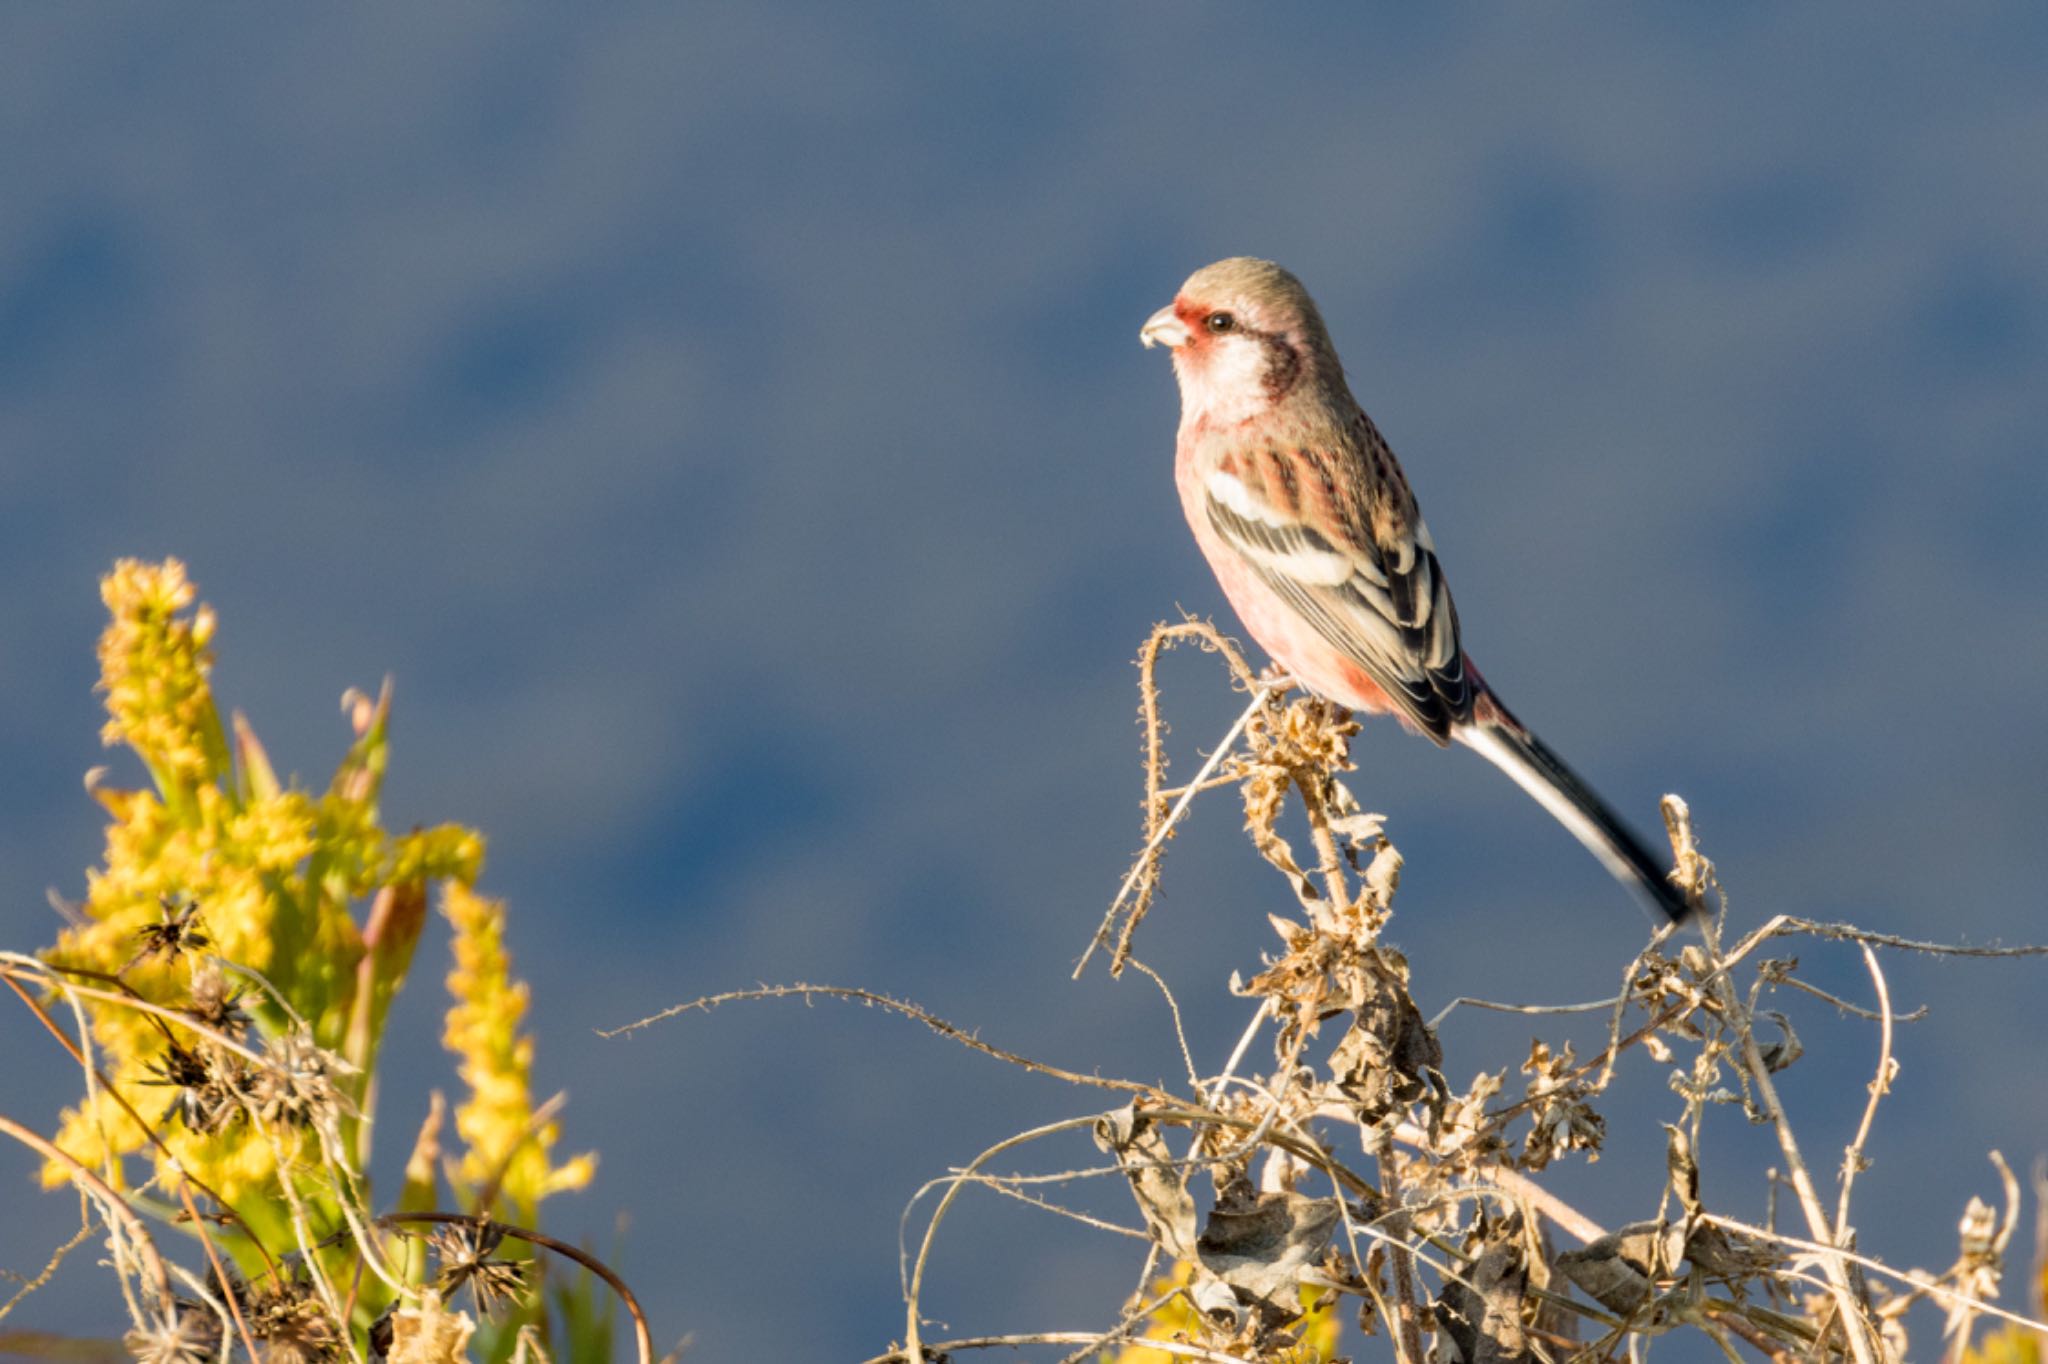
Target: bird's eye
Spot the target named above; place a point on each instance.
(1220, 323)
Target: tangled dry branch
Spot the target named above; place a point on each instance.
(1444, 1240)
(1441, 1234)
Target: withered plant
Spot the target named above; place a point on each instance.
(1441, 1241)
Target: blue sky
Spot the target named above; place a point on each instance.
(727, 425)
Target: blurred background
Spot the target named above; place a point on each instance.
(726, 424)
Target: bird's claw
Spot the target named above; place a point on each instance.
(1276, 679)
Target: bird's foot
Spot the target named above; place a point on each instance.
(1275, 679)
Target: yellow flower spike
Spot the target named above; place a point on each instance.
(272, 833)
(273, 870)
(508, 1149)
(447, 850)
(154, 662)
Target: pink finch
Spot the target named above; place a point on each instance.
(1303, 512)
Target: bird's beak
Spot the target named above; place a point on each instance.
(1163, 328)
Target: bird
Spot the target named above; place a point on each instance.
(1302, 511)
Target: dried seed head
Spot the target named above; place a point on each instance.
(214, 1003)
(178, 1066)
(177, 932)
(465, 1252)
(296, 1084)
(292, 1324)
(207, 1083)
(190, 1335)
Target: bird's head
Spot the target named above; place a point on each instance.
(1245, 336)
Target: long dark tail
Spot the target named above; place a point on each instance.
(1506, 743)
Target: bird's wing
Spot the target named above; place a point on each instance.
(1380, 600)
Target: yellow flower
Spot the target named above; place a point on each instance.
(507, 1149)
(448, 850)
(272, 870)
(153, 667)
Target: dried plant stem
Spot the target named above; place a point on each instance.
(1126, 1329)
(1786, 923)
(203, 1292)
(1010, 1186)
(1180, 1033)
(1455, 1208)
(349, 1199)
(1738, 1318)
(220, 1272)
(1145, 870)
(1091, 1340)
(1143, 876)
(1469, 1002)
(1276, 1111)
(1628, 976)
(1848, 1302)
(14, 967)
(1512, 1183)
(642, 1341)
(1408, 1318)
(1855, 1010)
(896, 1006)
(1307, 1149)
(111, 1205)
(93, 1075)
(1237, 1052)
(1963, 1318)
(1918, 1282)
(1335, 888)
(182, 1019)
(913, 1349)
(1853, 1159)
(62, 1252)
(302, 1231)
(270, 991)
